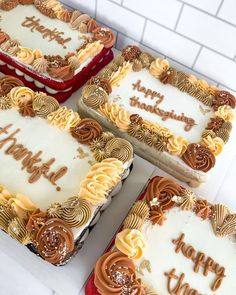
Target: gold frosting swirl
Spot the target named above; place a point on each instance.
(120, 149)
(133, 221)
(120, 74)
(63, 118)
(21, 95)
(131, 242)
(215, 144)
(225, 112)
(188, 200)
(94, 96)
(40, 65)
(101, 178)
(44, 104)
(5, 103)
(158, 67)
(76, 212)
(6, 215)
(25, 55)
(91, 50)
(54, 210)
(177, 145)
(119, 116)
(17, 230)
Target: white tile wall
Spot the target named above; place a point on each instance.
(197, 34)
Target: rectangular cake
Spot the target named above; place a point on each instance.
(53, 183)
(172, 119)
(51, 48)
(171, 242)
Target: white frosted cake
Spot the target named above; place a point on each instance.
(53, 185)
(48, 45)
(173, 119)
(172, 242)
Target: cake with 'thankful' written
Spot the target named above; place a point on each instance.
(53, 183)
(171, 242)
(51, 48)
(173, 119)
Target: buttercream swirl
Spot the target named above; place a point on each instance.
(76, 212)
(177, 145)
(54, 241)
(215, 144)
(215, 123)
(63, 118)
(40, 65)
(203, 209)
(7, 83)
(8, 4)
(141, 209)
(36, 220)
(223, 98)
(90, 50)
(120, 74)
(131, 242)
(120, 149)
(20, 95)
(6, 215)
(158, 67)
(199, 157)
(25, 55)
(114, 274)
(65, 73)
(94, 96)
(225, 112)
(131, 52)
(26, 110)
(17, 230)
(77, 19)
(157, 215)
(44, 104)
(133, 221)
(162, 190)
(105, 36)
(101, 82)
(3, 37)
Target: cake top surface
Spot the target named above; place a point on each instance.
(164, 108)
(49, 39)
(58, 169)
(171, 242)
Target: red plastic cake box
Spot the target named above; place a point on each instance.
(11, 67)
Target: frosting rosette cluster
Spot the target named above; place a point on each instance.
(7, 83)
(115, 274)
(158, 67)
(54, 241)
(161, 191)
(130, 242)
(102, 177)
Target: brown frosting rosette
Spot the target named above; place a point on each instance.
(64, 73)
(104, 35)
(223, 98)
(101, 82)
(86, 131)
(215, 124)
(131, 52)
(3, 37)
(7, 83)
(54, 241)
(199, 157)
(8, 4)
(160, 192)
(115, 274)
(36, 221)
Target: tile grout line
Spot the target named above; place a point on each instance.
(218, 9)
(96, 8)
(179, 16)
(144, 29)
(197, 56)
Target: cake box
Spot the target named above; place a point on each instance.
(51, 48)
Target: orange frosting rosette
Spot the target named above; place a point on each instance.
(163, 189)
(115, 274)
(104, 35)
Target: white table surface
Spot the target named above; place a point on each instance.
(22, 273)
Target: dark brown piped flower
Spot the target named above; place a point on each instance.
(135, 118)
(203, 209)
(157, 215)
(86, 131)
(223, 98)
(199, 157)
(8, 4)
(36, 220)
(54, 241)
(105, 35)
(131, 52)
(215, 124)
(169, 77)
(26, 110)
(56, 61)
(101, 82)
(3, 37)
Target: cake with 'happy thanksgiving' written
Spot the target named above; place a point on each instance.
(172, 119)
(51, 48)
(171, 242)
(54, 184)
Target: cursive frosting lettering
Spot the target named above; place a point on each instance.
(34, 25)
(165, 115)
(200, 261)
(148, 92)
(28, 159)
(180, 287)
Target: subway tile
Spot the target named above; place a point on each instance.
(84, 6)
(164, 12)
(217, 67)
(210, 6)
(120, 19)
(228, 11)
(170, 43)
(116, 1)
(207, 30)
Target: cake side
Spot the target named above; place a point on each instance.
(54, 183)
(162, 249)
(50, 40)
(162, 110)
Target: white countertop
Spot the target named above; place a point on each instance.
(22, 273)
